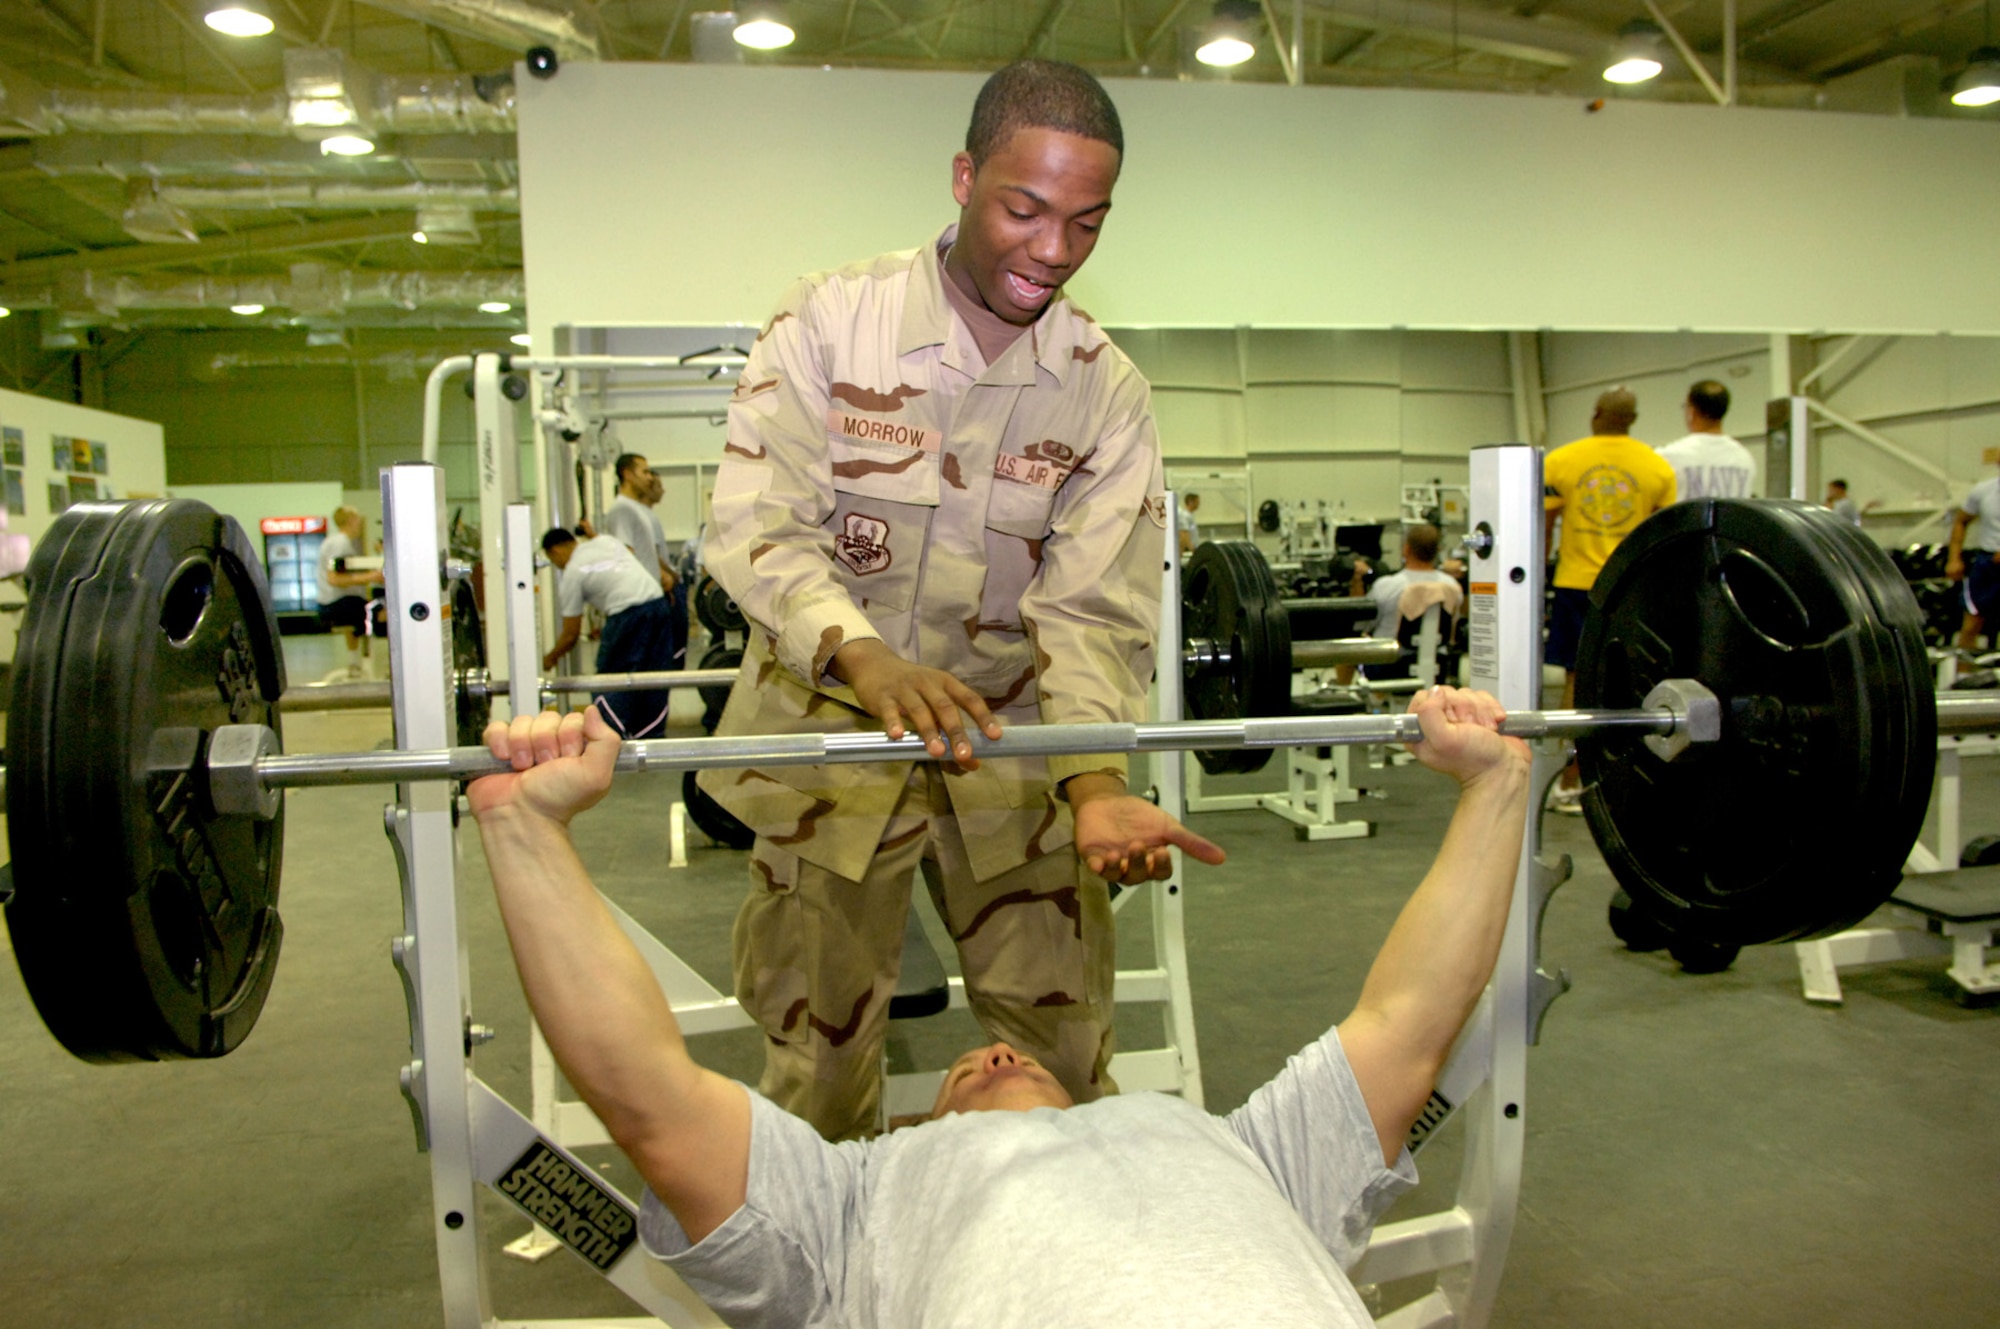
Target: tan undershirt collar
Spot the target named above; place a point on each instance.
(993, 333)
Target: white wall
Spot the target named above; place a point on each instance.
(251, 503)
(1273, 206)
(135, 455)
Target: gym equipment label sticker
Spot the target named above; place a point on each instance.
(562, 1197)
(1483, 630)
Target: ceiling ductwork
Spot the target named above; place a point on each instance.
(310, 290)
(331, 194)
(571, 35)
(319, 83)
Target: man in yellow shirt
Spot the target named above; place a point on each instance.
(1602, 487)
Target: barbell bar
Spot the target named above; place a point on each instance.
(245, 768)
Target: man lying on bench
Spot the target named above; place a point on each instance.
(1012, 1206)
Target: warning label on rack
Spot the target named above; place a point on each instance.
(1482, 626)
(566, 1200)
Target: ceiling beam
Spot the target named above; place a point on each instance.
(1777, 18)
(110, 71)
(1045, 29)
(201, 37)
(1863, 54)
(264, 240)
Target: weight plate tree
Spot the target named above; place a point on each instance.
(1796, 824)
(145, 926)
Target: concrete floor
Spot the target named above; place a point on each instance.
(1701, 1150)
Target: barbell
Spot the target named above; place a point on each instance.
(1738, 657)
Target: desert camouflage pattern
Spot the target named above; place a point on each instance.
(1004, 522)
(817, 959)
(1006, 525)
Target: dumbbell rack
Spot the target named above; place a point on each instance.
(473, 1136)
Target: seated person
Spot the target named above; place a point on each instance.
(1010, 1197)
(1420, 568)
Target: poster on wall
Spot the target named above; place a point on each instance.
(58, 497)
(82, 489)
(60, 454)
(14, 446)
(79, 455)
(17, 496)
(100, 459)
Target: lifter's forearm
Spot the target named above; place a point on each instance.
(592, 993)
(1430, 972)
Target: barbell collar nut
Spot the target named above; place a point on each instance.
(235, 786)
(1697, 716)
(457, 569)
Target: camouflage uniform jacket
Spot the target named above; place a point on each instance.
(1005, 526)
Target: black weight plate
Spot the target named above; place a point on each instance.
(145, 926)
(713, 699)
(1797, 822)
(1701, 957)
(1228, 596)
(1981, 851)
(1639, 930)
(717, 612)
(468, 655)
(715, 821)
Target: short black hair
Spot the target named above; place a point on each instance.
(1841, 485)
(1422, 541)
(626, 461)
(1041, 94)
(556, 537)
(1710, 398)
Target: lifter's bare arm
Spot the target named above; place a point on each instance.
(685, 1128)
(1429, 973)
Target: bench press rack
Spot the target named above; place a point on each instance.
(475, 1137)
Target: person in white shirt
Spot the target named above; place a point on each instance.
(1843, 506)
(1013, 1204)
(1975, 540)
(343, 594)
(1187, 523)
(601, 573)
(1707, 462)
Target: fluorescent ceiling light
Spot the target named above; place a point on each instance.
(238, 18)
(521, 339)
(6, 312)
(762, 27)
(1979, 85)
(420, 237)
(494, 307)
(246, 310)
(1635, 57)
(346, 145)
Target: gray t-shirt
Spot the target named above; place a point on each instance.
(634, 523)
(1984, 504)
(1387, 592)
(603, 574)
(1132, 1210)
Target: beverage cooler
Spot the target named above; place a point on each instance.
(291, 564)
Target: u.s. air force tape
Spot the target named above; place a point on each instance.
(592, 1221)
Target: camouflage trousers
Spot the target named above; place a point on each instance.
(817, 958)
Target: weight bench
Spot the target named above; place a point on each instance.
(1938, 913)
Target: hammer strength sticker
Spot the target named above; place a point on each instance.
(592, 1221)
